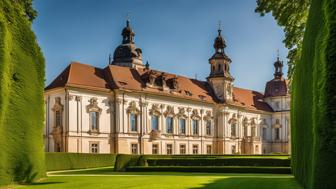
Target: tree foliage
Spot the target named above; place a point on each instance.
(292, 16)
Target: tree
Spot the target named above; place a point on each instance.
(21, 95)
(292, 16)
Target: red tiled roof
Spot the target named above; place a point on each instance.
(117, 77)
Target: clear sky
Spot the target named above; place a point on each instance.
(176, 36)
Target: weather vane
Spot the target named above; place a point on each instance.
(128, 15)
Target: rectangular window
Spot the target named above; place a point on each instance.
(233, 130)
(277, 134)
(182, 149)
(245, 130)
(155, 122)
(169, 149)
(155, 149)
(264, 133)
(94, 148)
(253, 131)
(134, 148)
(134, 122)
(58, 118)
(169, 124)
(195, 149)
(182, 124)
(208, 127)
(94, 121)
(195, 127)
(208, 149)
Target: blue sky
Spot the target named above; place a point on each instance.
(176, 36)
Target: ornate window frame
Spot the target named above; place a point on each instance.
(93, 107)
(155, 111)
(169, 113)
(132, 109)
(208, 118)
(58, 107)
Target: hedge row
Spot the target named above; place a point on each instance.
(271, 162)
(211, 169)
(21, 96)
(313, 109)
(123, 161)
(66, 161)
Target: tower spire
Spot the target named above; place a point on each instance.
(278, 64)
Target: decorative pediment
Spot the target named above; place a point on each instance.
(181, 112)
(195, 115)
(253, 121)
(232, 120)
(208, 115)
(132, 108)
(245, 121)
(93, 106)
(57, 106)
(155, 110)
(169, 111)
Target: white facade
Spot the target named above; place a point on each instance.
(123, 110)
(114, 134)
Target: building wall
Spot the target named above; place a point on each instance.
(115, 136)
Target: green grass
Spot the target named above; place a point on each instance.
(106, 178)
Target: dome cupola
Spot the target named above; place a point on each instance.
(127, 54)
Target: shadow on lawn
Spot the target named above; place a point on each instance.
(251, 183)
(45, 183)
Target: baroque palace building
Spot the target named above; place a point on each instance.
(129, 108)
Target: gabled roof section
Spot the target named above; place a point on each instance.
(152, 81)
(250, 99)
(81, 75)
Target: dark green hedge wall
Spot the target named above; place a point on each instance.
(313, 101)
(124, 161)
(21, 97)
(66, 161)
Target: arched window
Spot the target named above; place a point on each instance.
(233, 130)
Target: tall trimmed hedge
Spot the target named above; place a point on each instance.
(313, 109)
(66, 161)
(21, 96)
(124, 161)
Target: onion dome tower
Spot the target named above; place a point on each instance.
(220, 78)
(127, 54)
(278, 85)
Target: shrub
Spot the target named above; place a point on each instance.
(218, 162)
(65, 161)
(211, 169)
(125, 160)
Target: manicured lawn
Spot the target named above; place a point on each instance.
(105, 178)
